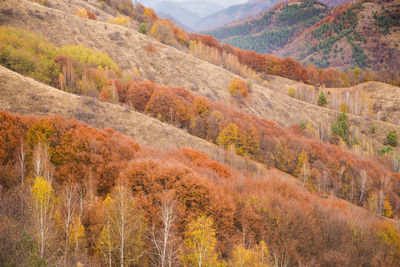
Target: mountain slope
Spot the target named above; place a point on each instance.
(26, 96)
(168, 65)
(274, 29)
(181, 14)
(203, 7)
(364, 35)
(234, 13)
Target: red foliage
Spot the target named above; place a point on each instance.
(91, 15)
(137, 94)
(207, 40)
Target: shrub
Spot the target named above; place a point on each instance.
(238, 86)
(28, 54)
(344, 108)
(385, 150)
(84, 13)
(119, 20)
(392, 138)
(88, 56)
(303, 125)
(291, 91)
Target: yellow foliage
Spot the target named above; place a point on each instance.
(238, 86)
(200, 243)
(256, 257)
(76, 233)
(86, 55)
(202, 105)
(82, 13)
(42, 192)
(291, 91)
(344, 108)
(118, 20)
(387, 212)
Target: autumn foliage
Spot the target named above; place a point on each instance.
(274, 218)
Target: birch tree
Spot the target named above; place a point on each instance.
(43, 203)
(21, 161)
(200, 244)
(122, 235)
(67, 212)
(164, 240)
(363, 183)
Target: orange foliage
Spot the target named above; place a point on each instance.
(292, 221)
(238, 86)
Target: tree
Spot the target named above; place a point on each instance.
(121, 239)
(163, 238)
(257, 256)
(392, 138)
(21, 160)
(200, 244)
(143, 28)
(67, 212)
(362, 180)
(43, 203)
(303, 167)
(341, 127)
(229, 136)
(322, 102)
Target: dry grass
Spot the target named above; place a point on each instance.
(22, 95)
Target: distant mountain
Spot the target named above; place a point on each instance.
(176, 12)
(175, 21)
(235, 13)
(202, 8)
(363, 34)
(334, 2)
(273, 29)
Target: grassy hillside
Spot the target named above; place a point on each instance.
(167, 65)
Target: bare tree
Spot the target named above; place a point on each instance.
(121, 238)
(21, 161)
(43, 204)
(67, 210)
(279, 258)
(363, 183)
(385, 185)
(166, 248)
(41, 162)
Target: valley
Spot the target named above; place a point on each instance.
(112, 118)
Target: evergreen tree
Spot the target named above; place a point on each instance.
(143, 28)
(392, 138)
(341, 127)
(322, 102)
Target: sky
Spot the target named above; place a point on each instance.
(220, 2)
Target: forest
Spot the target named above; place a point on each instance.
(274, 29)
(96, 198)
